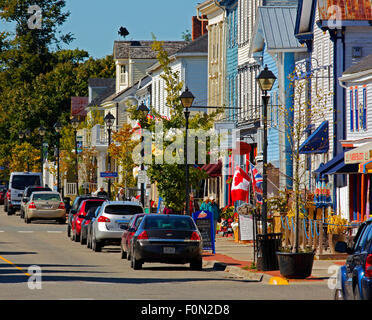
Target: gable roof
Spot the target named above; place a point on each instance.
(199, 45)
(142, 49)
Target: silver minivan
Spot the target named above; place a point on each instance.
(109, 225)
(18, 182)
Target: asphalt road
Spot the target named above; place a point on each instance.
(71, 271)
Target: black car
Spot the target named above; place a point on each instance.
(167, 239)
(27, 194)
(75, 207)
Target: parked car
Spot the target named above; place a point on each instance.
(355, 277)
(89, 228)
(167, 239)
(46, 205)
(79, 216)
(75, 207)
(3, 190)
(26, 197)
(108, 227)
(128, 233)
(85, 224)
(18, 182)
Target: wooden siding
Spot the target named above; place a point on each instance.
(357, 37)
(348, 9)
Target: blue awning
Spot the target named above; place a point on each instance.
(324, 168)
(342, 168)
(318, 141)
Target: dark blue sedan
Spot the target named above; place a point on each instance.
(355, 277)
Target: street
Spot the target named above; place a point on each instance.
(71, 271)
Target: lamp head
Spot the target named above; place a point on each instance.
(42, 131)
(266, 79)
(109, 120)
(58, 127)
(75, 123)
(187, 98)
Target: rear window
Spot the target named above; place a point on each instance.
(46, 197)
(169, 222)
(31, 190)
(123, 209)
(92, 204)
(21, 182)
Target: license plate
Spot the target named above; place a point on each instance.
(169, 250)
(47, 207)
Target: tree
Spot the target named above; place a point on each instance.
(297, 121)
(170, 178)
(121, 150)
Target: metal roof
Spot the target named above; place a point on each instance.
(275, 29)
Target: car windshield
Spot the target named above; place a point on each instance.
(46, 197)
(20, 182)
(169, 222)
(120, 209)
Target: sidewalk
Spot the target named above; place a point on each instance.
(235, 259)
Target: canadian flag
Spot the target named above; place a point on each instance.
(240, 185)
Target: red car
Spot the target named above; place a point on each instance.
(80, 215)
(128, 233)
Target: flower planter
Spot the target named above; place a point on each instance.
(295, 265)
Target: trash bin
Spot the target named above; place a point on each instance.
(267, 245)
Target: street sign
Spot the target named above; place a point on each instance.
(142, 177)
(108, 174)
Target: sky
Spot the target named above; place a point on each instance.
(95, 23)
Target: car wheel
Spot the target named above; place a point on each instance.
(135, 264)
(77, 237)
(27, 220)
(129, 256)
(196, 264)
(96, 246)
(123, 254)
(338, 295)
(10, 212)
(357, 293)
(21, 214)
(82, 239)
(88, 241)
(61, 221)
(68, 231)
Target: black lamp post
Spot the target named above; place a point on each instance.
(75, 124)
(145, 110)
(109, 120)
(58, 128)
(42, 132)
(187, 98)
(266, 81)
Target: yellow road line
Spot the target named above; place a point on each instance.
(20, 269)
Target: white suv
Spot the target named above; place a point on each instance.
(108, 227)
(18, 182)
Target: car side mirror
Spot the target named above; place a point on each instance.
(73, 211)
(342, 247)
(24, 200)
(132, 229)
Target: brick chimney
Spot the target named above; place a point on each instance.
(199, 28)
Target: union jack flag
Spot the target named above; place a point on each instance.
(257, 181)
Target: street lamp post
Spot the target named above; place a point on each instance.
(109, 120)
(58, 128)
(75, 124)
(266, 81)
(143, 108)
(42, 132)
(187, 98)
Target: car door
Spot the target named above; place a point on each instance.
(353, 261)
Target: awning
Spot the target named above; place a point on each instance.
(317, 142)
(337, 166)
(360, 154)
(366, 167)
(213, 169)
(244, 148)
(323, 168)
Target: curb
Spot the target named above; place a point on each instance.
(237, 271)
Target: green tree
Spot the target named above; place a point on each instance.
(170, 178)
